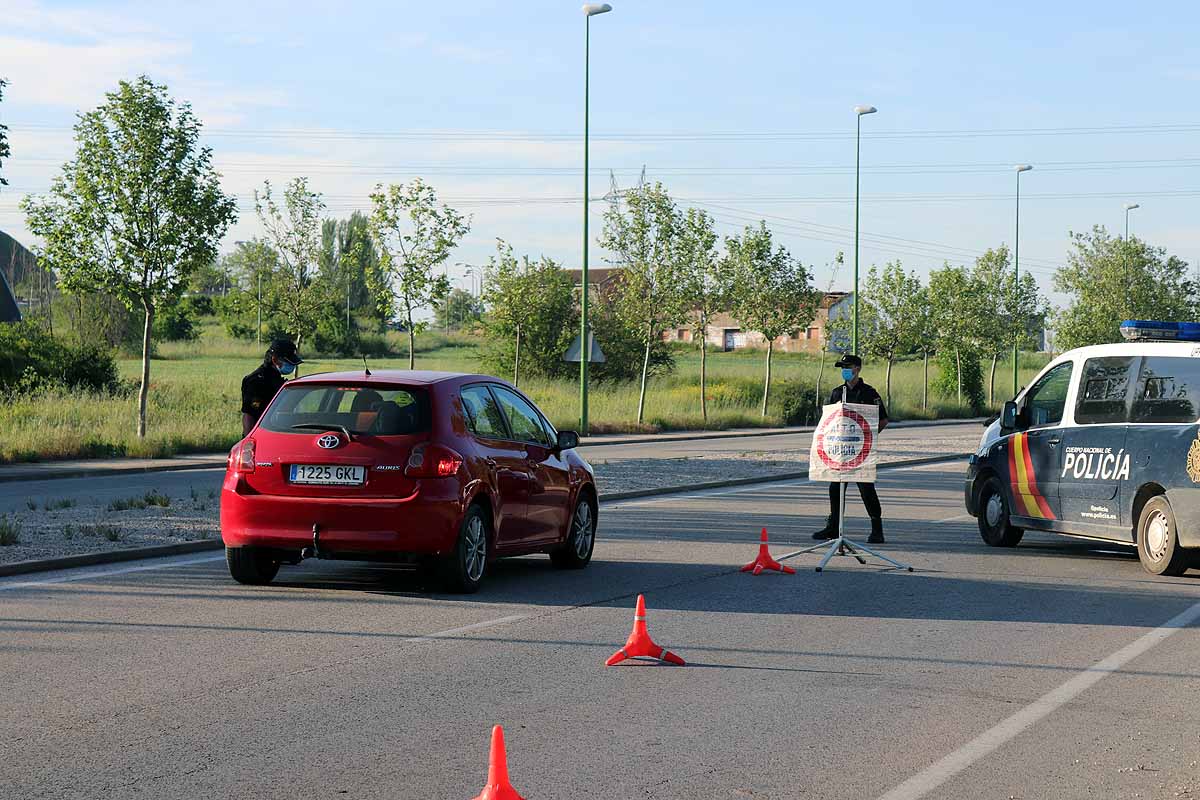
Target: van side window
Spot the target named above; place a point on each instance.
(1104, 390)
(1168, 390)
(1047, 398)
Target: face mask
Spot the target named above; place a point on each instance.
(847, 375)
(286, 368)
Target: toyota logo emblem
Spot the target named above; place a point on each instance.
(328, 441)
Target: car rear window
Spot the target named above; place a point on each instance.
(368, 410)
(1168, 390)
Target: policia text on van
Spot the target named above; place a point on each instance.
(1105, 443)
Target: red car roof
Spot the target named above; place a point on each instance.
(416, 376)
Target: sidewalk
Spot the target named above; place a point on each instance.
(48, 470)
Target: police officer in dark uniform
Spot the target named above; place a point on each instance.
(855, 390)
(260, 386)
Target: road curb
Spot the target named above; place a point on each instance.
(750, 434)
(217, 460)
(182, 548)
(108, 557)
(782, 476)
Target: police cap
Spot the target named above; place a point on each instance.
(285, 349)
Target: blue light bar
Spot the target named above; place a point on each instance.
(1143, 330)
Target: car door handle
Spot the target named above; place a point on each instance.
(491, 462)
(1054, 442)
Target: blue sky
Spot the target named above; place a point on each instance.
(744, 109)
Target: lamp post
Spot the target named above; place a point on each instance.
(1019, 168)
(859, 111)
(585, 351)
(1128, 207)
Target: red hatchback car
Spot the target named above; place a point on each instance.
(417, 467)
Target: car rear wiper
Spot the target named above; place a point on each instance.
(325, 426)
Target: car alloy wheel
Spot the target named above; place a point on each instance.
(582, 530)
(576, 550)
(474, 549)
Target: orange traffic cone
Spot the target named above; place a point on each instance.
(640, 644)
(498, 787)
(764, 560)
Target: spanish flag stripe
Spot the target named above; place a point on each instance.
(1027, 503)
(1042, 505)
(1024, 480)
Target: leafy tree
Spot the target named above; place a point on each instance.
(4, 151)
(348, 256)
(703, 283)
(1109, 280)
(1006, 317)
(956, 308)
(649, 298)
(530, 313)
(891, 325)
(459, 308)
(414, 235)
(294, 231)
(771, 291)
(139, 208)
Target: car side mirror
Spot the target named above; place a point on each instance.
(567, 440)
(1008, 417)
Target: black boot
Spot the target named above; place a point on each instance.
(830, 531)
(876, 536)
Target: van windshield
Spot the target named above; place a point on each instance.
(367, 410)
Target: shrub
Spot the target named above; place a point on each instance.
(176, 322)
(10, 532)
(946, 382)
(32, 360)
(794, 402)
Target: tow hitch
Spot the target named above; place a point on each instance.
(315, 550)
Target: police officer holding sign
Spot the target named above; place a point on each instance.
(260, 386)
(855, 390)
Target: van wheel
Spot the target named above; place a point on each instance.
(576, 551)
(994, 526)
(251, 566)
(463, 571)
(1157, 542)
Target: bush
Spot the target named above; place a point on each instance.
(32, 360)
(946, 382)
(794, 402)
(176, 322)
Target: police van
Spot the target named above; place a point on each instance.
(1103, 444)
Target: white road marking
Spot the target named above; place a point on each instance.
(953, 519)
(992, 739)
(491, 623)
(83, 576)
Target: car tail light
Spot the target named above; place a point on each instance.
(432, 461)
(245, 460)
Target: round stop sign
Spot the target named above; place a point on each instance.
(843, 440)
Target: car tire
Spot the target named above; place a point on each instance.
(464, 570)
(1158, 541)
(576, 551)
(251, 566)
(994, 527)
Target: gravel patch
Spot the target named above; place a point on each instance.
(54, 527)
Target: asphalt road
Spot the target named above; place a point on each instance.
(102, 489)
(1040, 672)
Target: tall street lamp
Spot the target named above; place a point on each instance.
(1128, 207)
(585, 351)
(859, 111)
(1019, 168)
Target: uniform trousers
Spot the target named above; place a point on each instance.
(865, 490)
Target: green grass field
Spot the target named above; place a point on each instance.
(195, 397)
